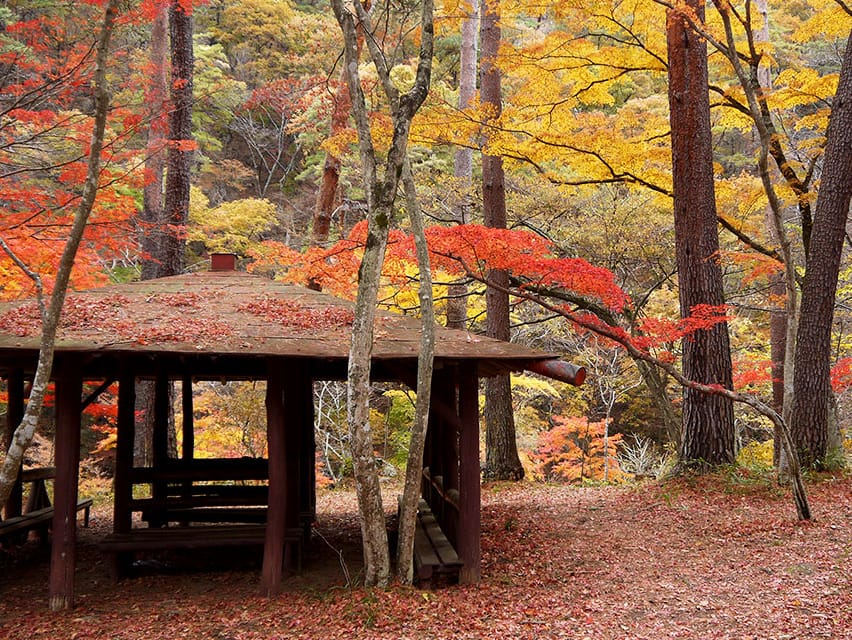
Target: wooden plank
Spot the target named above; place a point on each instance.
(212, 514)
(221, 469)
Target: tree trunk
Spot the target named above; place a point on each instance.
(425, 360)
(162, 238)
(381, 194)
(156, 107)
(501, 450)
(708, 433)
(811, 382)
(327, 195)
(463, 158)
(51, 315)
(181, 146)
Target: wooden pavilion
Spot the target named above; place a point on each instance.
(227, 325)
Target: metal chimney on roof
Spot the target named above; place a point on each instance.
(223, 262)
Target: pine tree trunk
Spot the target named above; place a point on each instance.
(812, 383)
(501, 451)
(463, 158)
(156, 105)
(180, 153)
(708, 425)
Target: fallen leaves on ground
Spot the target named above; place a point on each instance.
(682, 559)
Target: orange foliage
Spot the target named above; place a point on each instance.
(575, 450)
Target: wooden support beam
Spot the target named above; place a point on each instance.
(297, 399)
(469, 524)
(188, 446)
(307, 460)
(273, 548)
(103, 386)
(69, 387)
(14, 415)
(126, 431)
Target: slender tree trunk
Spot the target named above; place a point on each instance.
(425, 360)
(812, 383)
(708, 433)
(501, 450)
(51, 314)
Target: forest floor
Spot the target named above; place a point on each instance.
(720, 557)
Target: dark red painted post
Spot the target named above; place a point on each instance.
(69, 388)
(307, 479)
(188, 431)
(469, 481)
(296, 397)
(276, 515)
(123, 486)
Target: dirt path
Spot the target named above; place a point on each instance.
(703, 559)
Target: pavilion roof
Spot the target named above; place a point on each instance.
(226, 313)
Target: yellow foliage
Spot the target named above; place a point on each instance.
(232, 227)
(828, 20)
(756, 454)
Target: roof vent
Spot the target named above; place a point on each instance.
(223, 262)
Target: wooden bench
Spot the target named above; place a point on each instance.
(39, 511)
(123, 545)
(434, 555)
(205, 503)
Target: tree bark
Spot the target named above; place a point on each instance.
(812, 382)
(708, 433)
(327, 194)
(180, 152)
(501, 451)
(156, 104)
(463, 158)
(425, 361)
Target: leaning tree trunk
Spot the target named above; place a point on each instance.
(501, 450)
(811, 378)
(51, 315)
(425, 361)
(708, 420)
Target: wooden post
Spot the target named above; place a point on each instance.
(188, 447)
(69, 387)
(160, 444)
(469, 478)
(160, 437)
(276, 514)
(14, 415)
(296, 397)
(307, 460)
(126, 430)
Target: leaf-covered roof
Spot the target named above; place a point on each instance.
(234, 313)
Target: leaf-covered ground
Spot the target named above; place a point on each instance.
(689, 558)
